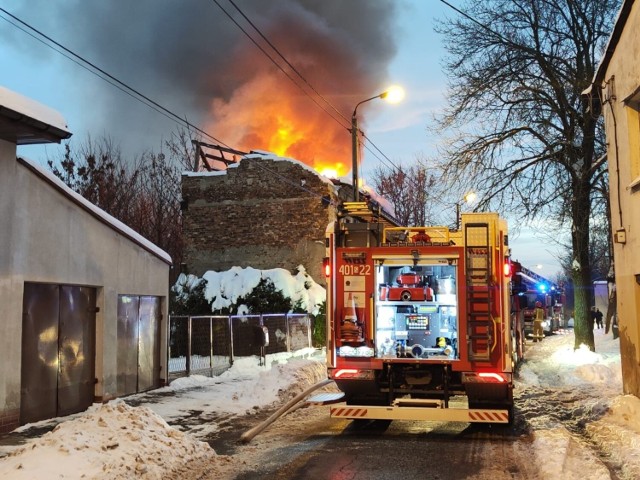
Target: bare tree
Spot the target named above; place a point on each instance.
(408, 189)
(98, 172)
(526, 138)
(143, 194)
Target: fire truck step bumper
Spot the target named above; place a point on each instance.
(326, 398)
(425, 413)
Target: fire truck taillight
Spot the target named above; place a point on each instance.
(485, 377)
(491, 376)
(353, 373)
(507, 269)
(345, 372)
(326, 267)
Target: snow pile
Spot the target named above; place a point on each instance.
(574, 422)
(224, 288)
(618, 433)
(117, 441)
(245, 387)
(571, 400)
(112, 441)
(560, 455)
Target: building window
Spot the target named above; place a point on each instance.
(632, 104)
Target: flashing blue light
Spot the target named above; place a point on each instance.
(542, 287)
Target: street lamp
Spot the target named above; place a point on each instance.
(393, 94)
(468, 198)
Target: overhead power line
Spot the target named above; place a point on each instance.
(139, 96)
(261, 48)
(469, 17)
(81, 61)
(386, 161)
(275, 49)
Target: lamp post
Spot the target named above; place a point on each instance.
(393, 94)
(468, 198)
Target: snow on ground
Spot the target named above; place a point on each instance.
(117, 441)
(570, 400)
(561, 392)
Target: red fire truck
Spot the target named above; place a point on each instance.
(529, 288)
(445, 354)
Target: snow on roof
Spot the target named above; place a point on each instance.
(618, 26)
(264, 155)
(213, 173)
(97, 212)
(30, 108)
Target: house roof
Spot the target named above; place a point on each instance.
(621, 21)
(24, 121)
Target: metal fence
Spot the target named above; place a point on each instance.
(208, 345)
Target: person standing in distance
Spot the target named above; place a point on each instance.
(599, 316)
(538, 332)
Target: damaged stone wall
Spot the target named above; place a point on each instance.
(264, 213)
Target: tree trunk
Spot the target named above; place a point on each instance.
(611, 308)
(581, 268)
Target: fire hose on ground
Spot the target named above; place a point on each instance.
(249, 434)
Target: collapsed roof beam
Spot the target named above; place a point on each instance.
(203, 157)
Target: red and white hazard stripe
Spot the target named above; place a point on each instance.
(487, 416)
(346, 412)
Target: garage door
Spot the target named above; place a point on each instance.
(138, 343)
(58, 350)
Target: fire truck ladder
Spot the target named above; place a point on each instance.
(478, 282)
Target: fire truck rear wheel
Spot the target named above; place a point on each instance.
(405, 296)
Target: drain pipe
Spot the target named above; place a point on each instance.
(249, 434)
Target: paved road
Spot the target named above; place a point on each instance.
(307, 444)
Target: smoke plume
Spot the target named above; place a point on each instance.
(190, 57)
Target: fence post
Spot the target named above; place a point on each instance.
(288, 333)
(230, 340)
(188, 359)
(211, 345)
(168, 373)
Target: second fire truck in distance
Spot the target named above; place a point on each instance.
(418, 319)
(529, 288)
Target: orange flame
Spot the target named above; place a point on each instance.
(261, 115)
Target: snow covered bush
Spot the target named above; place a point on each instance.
(187, 296)
(249, 290)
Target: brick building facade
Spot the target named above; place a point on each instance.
(264, 212)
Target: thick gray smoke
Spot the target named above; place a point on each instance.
(190, 57)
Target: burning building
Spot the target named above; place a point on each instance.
(263, 211)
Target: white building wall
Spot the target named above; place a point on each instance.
(10, 308)
(622, 120)
(46, 237)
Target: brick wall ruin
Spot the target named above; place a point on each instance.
(264, 213)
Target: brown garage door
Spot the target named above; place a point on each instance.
(58, 350)
(138, 343)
